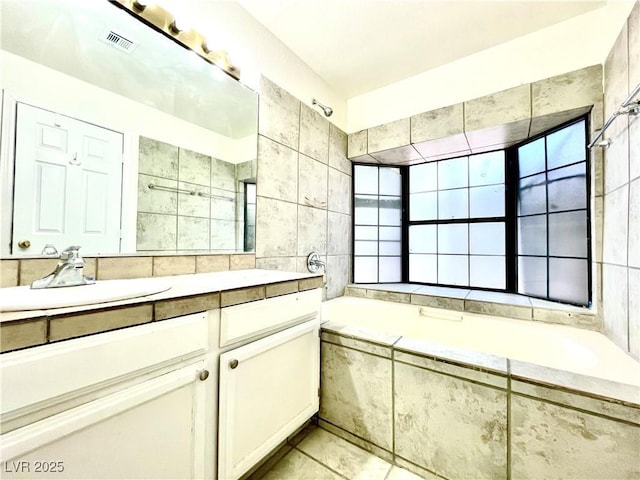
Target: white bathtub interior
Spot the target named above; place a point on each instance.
(560, 347)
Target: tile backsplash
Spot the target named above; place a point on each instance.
(14, 272)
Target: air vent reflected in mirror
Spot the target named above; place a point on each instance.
(117, 41)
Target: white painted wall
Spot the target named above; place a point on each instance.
(44, 87)
(228, 26)
(570, 45)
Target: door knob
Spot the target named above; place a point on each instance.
(233, 363)
(204, 374)
(24, 244)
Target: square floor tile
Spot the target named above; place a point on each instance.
(297, 466)
(343, 457)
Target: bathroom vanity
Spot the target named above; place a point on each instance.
(199, 381)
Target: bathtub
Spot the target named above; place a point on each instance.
(458, 395)
(555, 346)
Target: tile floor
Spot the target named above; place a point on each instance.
(324, 456)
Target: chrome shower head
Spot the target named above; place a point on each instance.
(327, 110)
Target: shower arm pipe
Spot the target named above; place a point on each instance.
(628, 107)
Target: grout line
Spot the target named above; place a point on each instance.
(359, 350)
(326, 209)
(320, 463)
(393, 403)
(628, 319)
(509, 422)
(364, 440)
(298, 204)
(566, 406)
(389, 471)
(420, 468)
(454, 375)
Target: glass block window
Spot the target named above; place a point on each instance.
(456, 227)
(377, 239)
(515, 220)
(552, 216)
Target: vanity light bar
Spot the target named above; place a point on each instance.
(162, 19)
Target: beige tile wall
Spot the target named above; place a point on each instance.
(487, 123)
(16, 272)
(621, 238)
(170, 222)
(304, 189)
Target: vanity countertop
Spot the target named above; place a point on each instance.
(188, 294)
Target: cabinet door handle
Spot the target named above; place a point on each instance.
(204, 374)
(233, 364)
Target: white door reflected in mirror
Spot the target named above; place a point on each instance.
(67, 183)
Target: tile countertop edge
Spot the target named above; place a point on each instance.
(187, 285)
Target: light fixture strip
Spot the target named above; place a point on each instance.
(163, 20)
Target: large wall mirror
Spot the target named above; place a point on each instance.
(118, 139)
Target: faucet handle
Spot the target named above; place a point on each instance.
(70, 252)
(49, 249)
(314, 263)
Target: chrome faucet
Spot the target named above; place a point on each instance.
(68, 273)
(314, 263)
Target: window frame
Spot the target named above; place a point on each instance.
(468, 221)
(510, 218)
(513, 153)
(378, 225)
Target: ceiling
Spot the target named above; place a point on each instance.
(351, 44)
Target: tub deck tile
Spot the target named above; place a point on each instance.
(575, 400)
(443, 291)
(456, 304)
(358, 343)
(491, 303)
(468, 358)
(499, 297)
(453, 427)
(550, 441)
(466, 373)
(391, 287)
(355, 291)
(362, 333)
(398, 297)
(607, 389)
(356, 393)
(567, 317)
(499, 309)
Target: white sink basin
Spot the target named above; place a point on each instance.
(15, 299)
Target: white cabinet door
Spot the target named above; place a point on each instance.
(268, 388)
(67, 183)
(155, 429)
